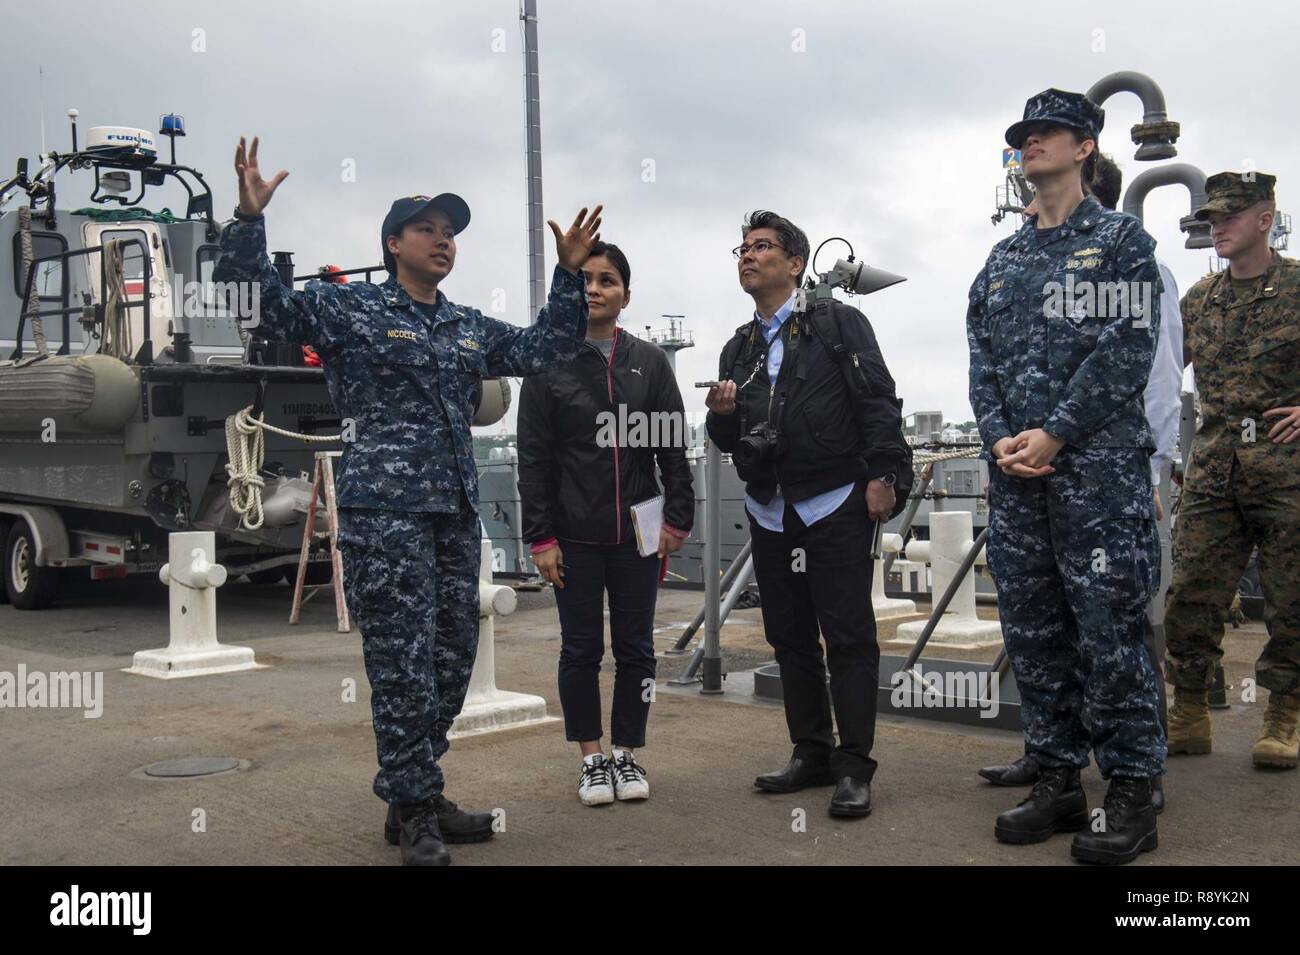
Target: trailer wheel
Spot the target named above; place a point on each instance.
(28, 587)
(4, 536)
(265, 578)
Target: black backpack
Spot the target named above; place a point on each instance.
(823, 320)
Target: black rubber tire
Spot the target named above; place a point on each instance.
(4, 536)
(41, 583)
(265, 578)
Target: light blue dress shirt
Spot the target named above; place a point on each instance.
(771, 515)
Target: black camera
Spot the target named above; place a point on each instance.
(756, 447)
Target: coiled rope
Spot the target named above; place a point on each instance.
(116, 335)
(246, 450)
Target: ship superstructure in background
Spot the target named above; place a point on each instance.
(121, 364)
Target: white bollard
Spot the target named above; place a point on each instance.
(885, 607)
(192, 578)
(486, 708)
(950, 541)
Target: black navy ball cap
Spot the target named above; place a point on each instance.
(408, 208)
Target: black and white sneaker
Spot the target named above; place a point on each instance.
(629, 778)
(595, 784)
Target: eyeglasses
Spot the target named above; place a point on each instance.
(758, 248)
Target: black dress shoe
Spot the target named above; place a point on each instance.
(1020, 773)
(1057, 803)
(419, 835)
(1158, 794)
(798, 774)
(1130, 825)
(852, 798)
(457, 825)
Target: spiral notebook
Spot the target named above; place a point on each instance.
(647, 519)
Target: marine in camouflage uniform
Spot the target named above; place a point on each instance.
(1241, 489)
(1075, 553)
(408, 374)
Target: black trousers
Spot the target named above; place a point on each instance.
(632, 582)
(815, 579)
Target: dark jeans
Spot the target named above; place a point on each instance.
(632, 582)
(832, 592)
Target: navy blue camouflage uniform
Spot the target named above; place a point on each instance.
(407, 374)
(1074, 554)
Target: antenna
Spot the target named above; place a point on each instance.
(40, 72)
(533, 160)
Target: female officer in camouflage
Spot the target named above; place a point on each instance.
(404, 364)
(1062, 326)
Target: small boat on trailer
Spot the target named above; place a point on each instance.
(120, 365)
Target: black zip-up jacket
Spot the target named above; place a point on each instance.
(829, 436)
(571, 485)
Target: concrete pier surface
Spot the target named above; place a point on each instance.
(74, 789)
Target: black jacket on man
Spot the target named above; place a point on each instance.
(573, 488)
(829, 435)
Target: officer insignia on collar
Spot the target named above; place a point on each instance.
(403, 333)
(470, 343)
(994, 286)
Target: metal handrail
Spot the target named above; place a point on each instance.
(144, 356)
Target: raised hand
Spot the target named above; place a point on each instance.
(573, 247)
(254, 191)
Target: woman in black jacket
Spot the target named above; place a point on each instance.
(590, 434)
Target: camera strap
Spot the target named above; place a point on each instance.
(746, 359)
(794, 356)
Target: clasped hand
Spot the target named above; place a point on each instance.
(1028, 454)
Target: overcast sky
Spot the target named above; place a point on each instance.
(880, 122)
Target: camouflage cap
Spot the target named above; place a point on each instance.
(1058, 106)
(1230, 192)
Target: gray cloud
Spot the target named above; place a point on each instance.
(887, 130)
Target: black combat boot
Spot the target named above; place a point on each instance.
(1129, 825)
(419, 835)
(1057, 803)
(457, 825)
(1020, 773)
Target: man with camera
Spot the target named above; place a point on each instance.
(805, 405)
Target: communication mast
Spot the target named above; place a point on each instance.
(671, 339)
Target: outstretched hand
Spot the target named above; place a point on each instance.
(573, 247)
(254, 191)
